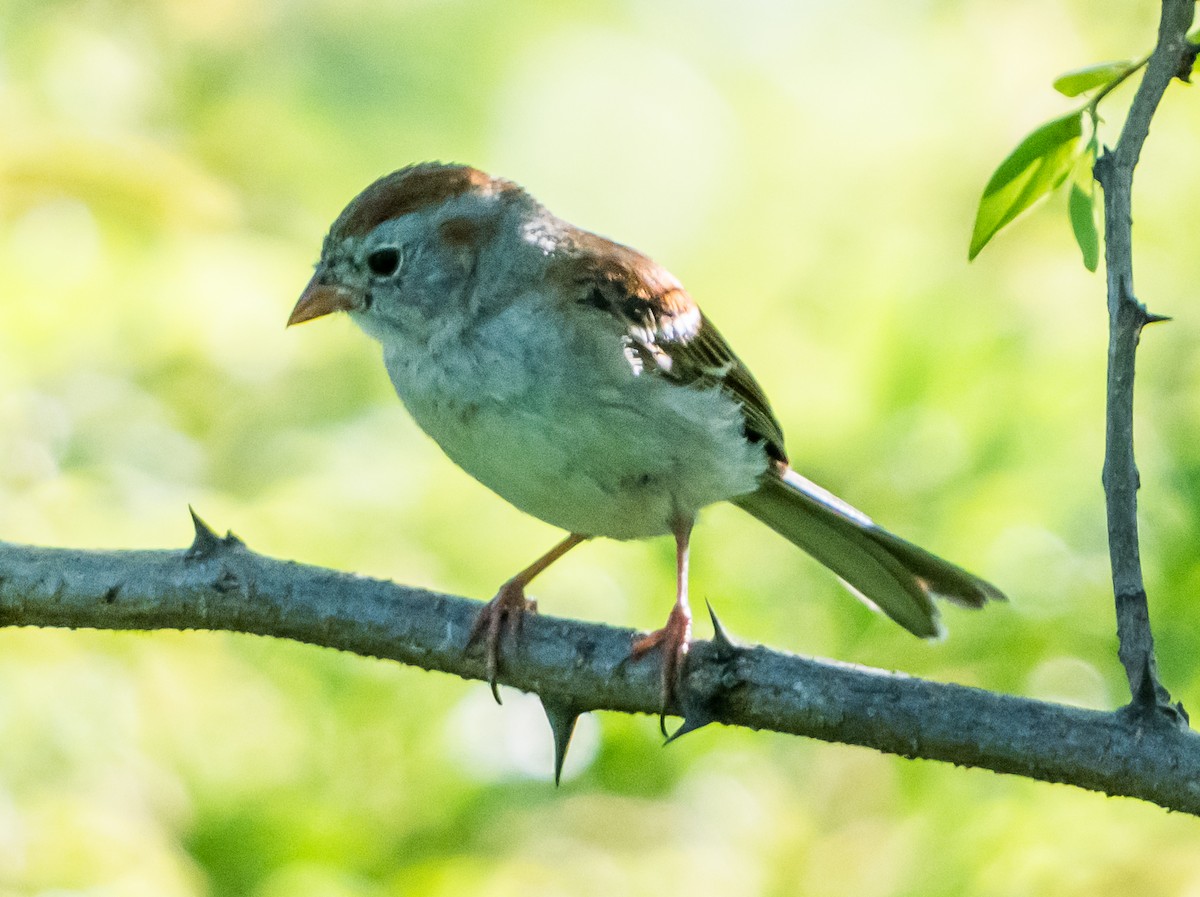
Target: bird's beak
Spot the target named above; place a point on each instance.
(320, 298)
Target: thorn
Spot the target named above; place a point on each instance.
(721, 639)
(697, 719)
(1151, 318)
(205, 543)
(703, 701)
(562, 719)
(699, 709)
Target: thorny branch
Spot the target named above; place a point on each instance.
(1127, 317)
(576, 667)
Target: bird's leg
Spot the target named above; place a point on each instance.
(511, 605)
(676, 635)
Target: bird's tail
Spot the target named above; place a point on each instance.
(894, 575)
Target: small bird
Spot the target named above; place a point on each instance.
(577, 379)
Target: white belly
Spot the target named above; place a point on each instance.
(566, 431)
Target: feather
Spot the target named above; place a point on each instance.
(898, 577)
(664, 330)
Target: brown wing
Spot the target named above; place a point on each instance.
(666, 334)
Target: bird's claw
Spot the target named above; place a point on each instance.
(674, 639)
(508, 607)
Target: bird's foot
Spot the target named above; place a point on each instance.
(674, 639)
(506, 610)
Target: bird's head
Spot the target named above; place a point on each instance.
(409, 245)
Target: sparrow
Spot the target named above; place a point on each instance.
(578, 380)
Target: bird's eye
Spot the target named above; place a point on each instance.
(384, 262)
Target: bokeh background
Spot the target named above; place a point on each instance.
(810, 170)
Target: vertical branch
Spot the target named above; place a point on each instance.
(1127, 317)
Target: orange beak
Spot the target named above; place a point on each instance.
(320, 299)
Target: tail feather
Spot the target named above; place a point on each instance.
(898, 577)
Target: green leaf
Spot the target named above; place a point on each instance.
(1072, 84)
(1081, 205)
(1082, 208)
(1038, 165)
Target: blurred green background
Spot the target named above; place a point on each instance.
(810, 170)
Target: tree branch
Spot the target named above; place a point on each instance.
(219, 584)
(1127, 317)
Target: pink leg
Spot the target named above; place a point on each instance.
(676, 635)
(510, 605)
